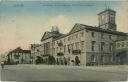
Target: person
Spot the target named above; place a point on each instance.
(2, 65)
(77, 61)
(57, 61)
(65, 61)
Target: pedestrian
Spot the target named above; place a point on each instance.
(57, 61)
(65, 61)
(2, 65)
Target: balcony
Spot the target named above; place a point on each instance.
(60, 44)
(46, 55)
(60, 54)
(76, 52)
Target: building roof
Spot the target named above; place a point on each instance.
(78, 27)
(50, 34)
(107, 10)
(19, 50)
(64, 35)
(35, 45)
(98, 29)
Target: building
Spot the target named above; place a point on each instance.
(19, 56)
(122, 51)
(84, 44)
(36, 51)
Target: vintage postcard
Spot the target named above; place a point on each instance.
(64, 40)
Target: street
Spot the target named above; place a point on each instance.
(58, 73)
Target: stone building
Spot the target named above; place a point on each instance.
(19, 56)
(122, 51)
(36, 51)
(84, 44)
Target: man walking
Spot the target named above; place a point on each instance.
(2, 65)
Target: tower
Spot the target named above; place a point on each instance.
(55, 29)
(107, 19)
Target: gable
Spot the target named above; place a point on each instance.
(46, 35)
(77, 27)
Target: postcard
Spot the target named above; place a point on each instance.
(64, 40)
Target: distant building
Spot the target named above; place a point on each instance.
(84, 44)
(35, 51)
(19, 56)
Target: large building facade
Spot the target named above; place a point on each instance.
(84, 44)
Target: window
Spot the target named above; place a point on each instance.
(68, 38)
(101, 58)
(53, 43)
(102, 36)
(102, 46)
(87, 31)
(92, 58)
(71, 37)
(38, 50)
(93, 45)
(68, 49)
(60, 49)
(72, 46)
(111, 58)
(77, 45)
(64, 48)
(16, 56)
(76, 35)
(110, 47)
(60, 41)
(53, 50)
(64, 40)
(111, 18)
(102, 19)
(82, 45)
(82, 34)
(57, 49)
(110, 37)
(123, 44)
(118, 45)
(57, 42)
(93, 34)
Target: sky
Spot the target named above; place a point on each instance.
(24, 22)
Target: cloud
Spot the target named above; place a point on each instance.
(64, 23)
(20, 32)
(88, 20)
(122, 17)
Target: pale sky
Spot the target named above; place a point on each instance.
(23, 22)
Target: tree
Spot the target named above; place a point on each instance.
(39, 60)
(51, 60)
(3, 58)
